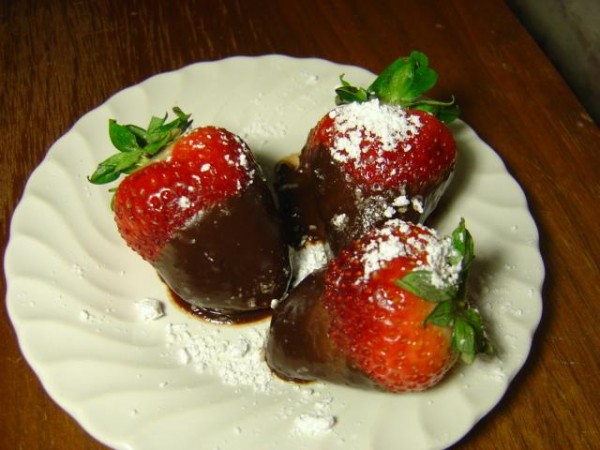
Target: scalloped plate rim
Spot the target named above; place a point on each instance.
(77, 411)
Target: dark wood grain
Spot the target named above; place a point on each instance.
(60, 59)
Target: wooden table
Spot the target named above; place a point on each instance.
(62, 58)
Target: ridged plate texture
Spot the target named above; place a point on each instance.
(179, 383)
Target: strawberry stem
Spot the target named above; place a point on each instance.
(403, 83)
(137, 145)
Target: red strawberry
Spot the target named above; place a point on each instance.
(200, 213)
(205, 166)
(381, 154)
(380, 147)
(389, 313)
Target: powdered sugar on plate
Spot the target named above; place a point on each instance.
(313, 423)
(238, 361)
(236, 357)
(149, 308)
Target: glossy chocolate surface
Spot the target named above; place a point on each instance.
(232, 258)
(319, 203)
(297, 204)
(298, 345)
(218, 316)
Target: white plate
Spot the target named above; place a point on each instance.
(179, 383)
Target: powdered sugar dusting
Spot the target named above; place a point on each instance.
(401, 201)
(237, 359)
(184, 202)
(439, 252)
(240, 159)
(149, 308)
(310, 256)
(340, 220)
(380, 250)
(417, 204)
(237, 362)
(370, 121)
(313, 424)
(388, 245)
(261, 131)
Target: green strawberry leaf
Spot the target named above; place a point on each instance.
(419, 283)
(468, 336)
(140, 133)
(442, 315)
(463, 340)
(404, 82)
(462, 242)
(156, 144)
(347, 93)
(122, 137)
(445, 111)
(111, 168)
(156, 122)
(482, 343)
(137, 146)
(452, 309)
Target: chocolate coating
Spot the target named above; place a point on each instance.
(335, 196)
(297, 204)
(298, 344)
(313, 194)
(232, 258)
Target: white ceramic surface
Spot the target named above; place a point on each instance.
(178, 383)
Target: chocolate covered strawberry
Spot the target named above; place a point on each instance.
(382, 153)
(196, 206)
(389, 313)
